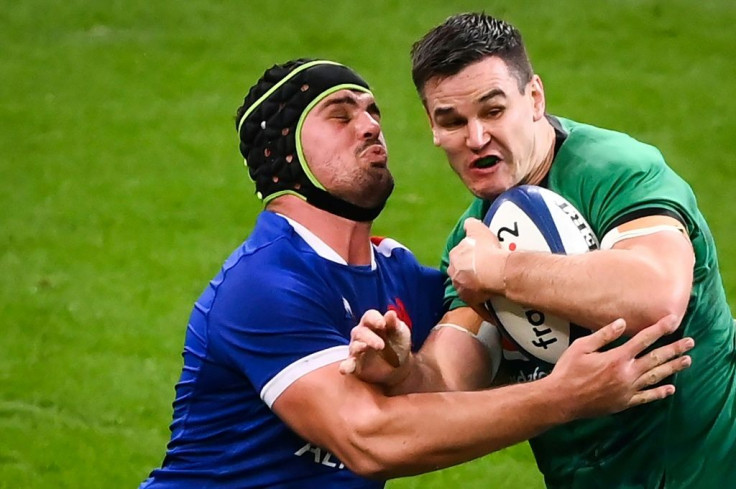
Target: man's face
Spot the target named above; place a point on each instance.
(485, 125)
(344, 148)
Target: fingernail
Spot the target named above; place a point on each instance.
(618, 325)
(686, 361)
(689, 343)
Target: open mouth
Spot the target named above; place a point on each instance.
(486, 162)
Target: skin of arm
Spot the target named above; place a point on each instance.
(450, 359)
(383, 436)
(640, 278)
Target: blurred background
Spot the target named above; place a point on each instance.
(122, 189)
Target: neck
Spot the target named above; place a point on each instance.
(544, 153)
(349, 239)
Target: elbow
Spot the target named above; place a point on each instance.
(667, 299)
(365, 450)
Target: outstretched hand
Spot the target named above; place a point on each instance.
(614, 380)
(379, 348)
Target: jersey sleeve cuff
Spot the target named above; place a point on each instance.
(278, 384)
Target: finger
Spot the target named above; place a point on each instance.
(395, 325)
(474, 227)
(373, 339)
(647, 336)
(357, 348)
(650, 395)
(372, 319)
(391, 320)
(468, 241)
(391, 357)
(661, 372)
(347, 366)
(663, 354)
(598, 339)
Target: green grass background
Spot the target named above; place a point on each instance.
(122, 191)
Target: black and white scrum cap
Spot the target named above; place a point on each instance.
(270, 132)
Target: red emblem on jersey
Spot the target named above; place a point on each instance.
(401, 311)
(376, 240)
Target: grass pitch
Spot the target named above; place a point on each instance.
(122, 189)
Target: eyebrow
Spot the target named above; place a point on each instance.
(347, 99)
(351, 101)
(496, 92)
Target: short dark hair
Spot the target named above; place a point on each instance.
(464, 39)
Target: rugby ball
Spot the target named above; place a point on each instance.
(531, 218)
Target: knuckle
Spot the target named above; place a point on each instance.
(655, 358)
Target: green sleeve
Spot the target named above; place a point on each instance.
(609, 175)
(477, 209)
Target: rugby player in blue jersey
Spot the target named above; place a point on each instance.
(261, 401)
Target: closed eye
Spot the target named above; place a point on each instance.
(451, 122)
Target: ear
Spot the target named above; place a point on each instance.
(435, 138)
(536, 90)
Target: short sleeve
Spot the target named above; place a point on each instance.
(615, 176)
(275, 323)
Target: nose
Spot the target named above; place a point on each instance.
(478, 137)
(368, 126)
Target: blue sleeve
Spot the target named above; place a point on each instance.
(267, 314)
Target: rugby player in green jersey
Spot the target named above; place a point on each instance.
(486, 109)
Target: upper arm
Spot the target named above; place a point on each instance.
(273, 326)
(663, 244)
(331, 410)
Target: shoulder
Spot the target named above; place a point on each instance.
(603, 149)
(387, 246)
(271, 268)
(606, 174)
(393, 254)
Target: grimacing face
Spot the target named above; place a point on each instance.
(486, 126)
(344, 148)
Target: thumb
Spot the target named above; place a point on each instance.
(475, 228)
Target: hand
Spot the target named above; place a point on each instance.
(477, 264)
(599, 383)
(379, 348)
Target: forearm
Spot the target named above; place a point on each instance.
(593, 289)
(454, 357)
(417, 433)
(457, 364)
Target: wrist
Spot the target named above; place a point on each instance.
(561, 404)
(399, 380)
(492, 276)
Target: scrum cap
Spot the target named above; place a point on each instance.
(269, 125)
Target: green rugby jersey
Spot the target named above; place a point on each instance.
(689, 439)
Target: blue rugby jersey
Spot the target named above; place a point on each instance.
(282, 306)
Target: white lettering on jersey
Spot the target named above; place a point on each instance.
(318, 452)
(535, 375)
